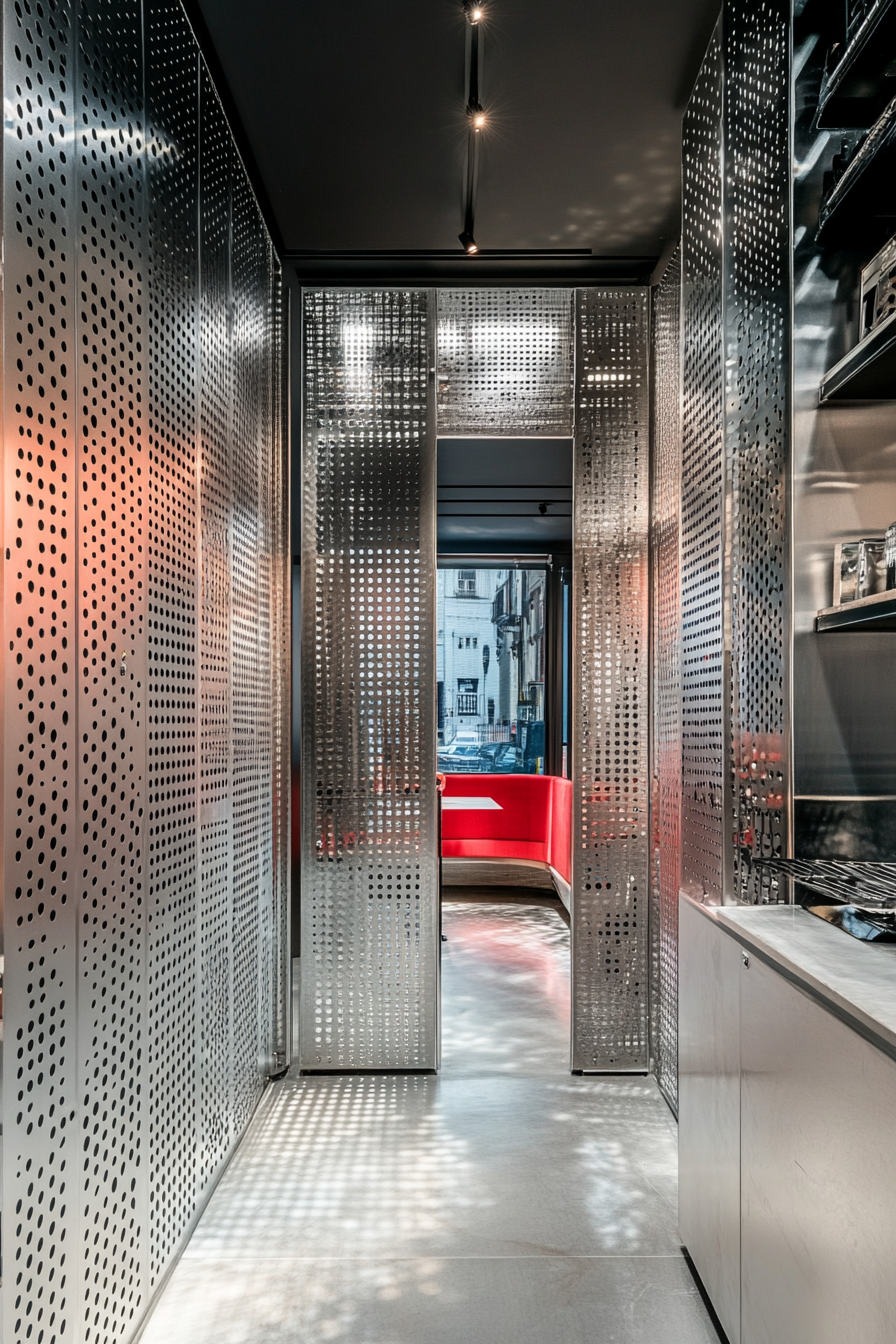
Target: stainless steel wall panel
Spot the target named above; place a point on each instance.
(757, 413)
(215, 600)
(703, 709)
(137, 373)
(172, 73)
(252, 837)
(370, 926)
(735, 549)
(610, 696)
(42, 1146)
(505, 361)
(112, 548)
(666, 677)
(281, 673)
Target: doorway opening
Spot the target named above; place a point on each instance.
(504, 509)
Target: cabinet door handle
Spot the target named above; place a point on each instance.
(746, 957)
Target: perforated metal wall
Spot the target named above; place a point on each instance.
(704, 732)
(735, 553)
(610, 697)
(757, 417)
(505, 361)
(370, 924)
(666, 676)
(123, 944)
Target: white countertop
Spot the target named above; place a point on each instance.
(456, 803)
(856, 979)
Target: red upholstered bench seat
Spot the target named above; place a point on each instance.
(533, 823)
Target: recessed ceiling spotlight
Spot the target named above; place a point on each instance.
(475, 13)
(469, 243)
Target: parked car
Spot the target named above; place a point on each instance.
(460, 758)
(500, 758)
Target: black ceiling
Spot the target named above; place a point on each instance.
(354, 113)
(491, 493)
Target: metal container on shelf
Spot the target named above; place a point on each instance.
(846, 567)
(890, 555)
(872, 572)
(878, 289)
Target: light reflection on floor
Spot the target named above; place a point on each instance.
(504, 1200)
(505, 1000)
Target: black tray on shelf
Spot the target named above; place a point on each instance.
(861, 206)
(857, 89)
(868, 371)
(877, 612)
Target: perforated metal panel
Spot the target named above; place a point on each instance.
(505, 361)
(704, 732)
(735, 561)
(757, 416)
(173, 286)
(41, 835)
(112, 548)
(370, 949)
(666, 676)
(215, 598)
(610, 732)
(121, 939)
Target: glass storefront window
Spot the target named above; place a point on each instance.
(491, 658)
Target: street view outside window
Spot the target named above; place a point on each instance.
(491, 670)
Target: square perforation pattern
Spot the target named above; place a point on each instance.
(505, 361)
(610, 682)
(120, 1102)
(370, 840)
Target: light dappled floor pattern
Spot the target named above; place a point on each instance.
(503, 1201)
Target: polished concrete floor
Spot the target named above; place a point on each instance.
(503, 1202)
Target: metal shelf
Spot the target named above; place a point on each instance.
(847, 880)
(857, 90)
(877, 612)
(867, 372)
(850, 214)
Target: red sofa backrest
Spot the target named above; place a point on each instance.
(534, 821)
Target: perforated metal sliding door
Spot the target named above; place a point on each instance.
(610, 960)
(370, 927)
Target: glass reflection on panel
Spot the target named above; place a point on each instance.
(490, 663)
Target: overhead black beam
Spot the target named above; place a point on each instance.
(443, 269)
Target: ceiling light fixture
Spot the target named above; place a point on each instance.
(477, 121)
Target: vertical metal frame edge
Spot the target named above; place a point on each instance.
(430, 488)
